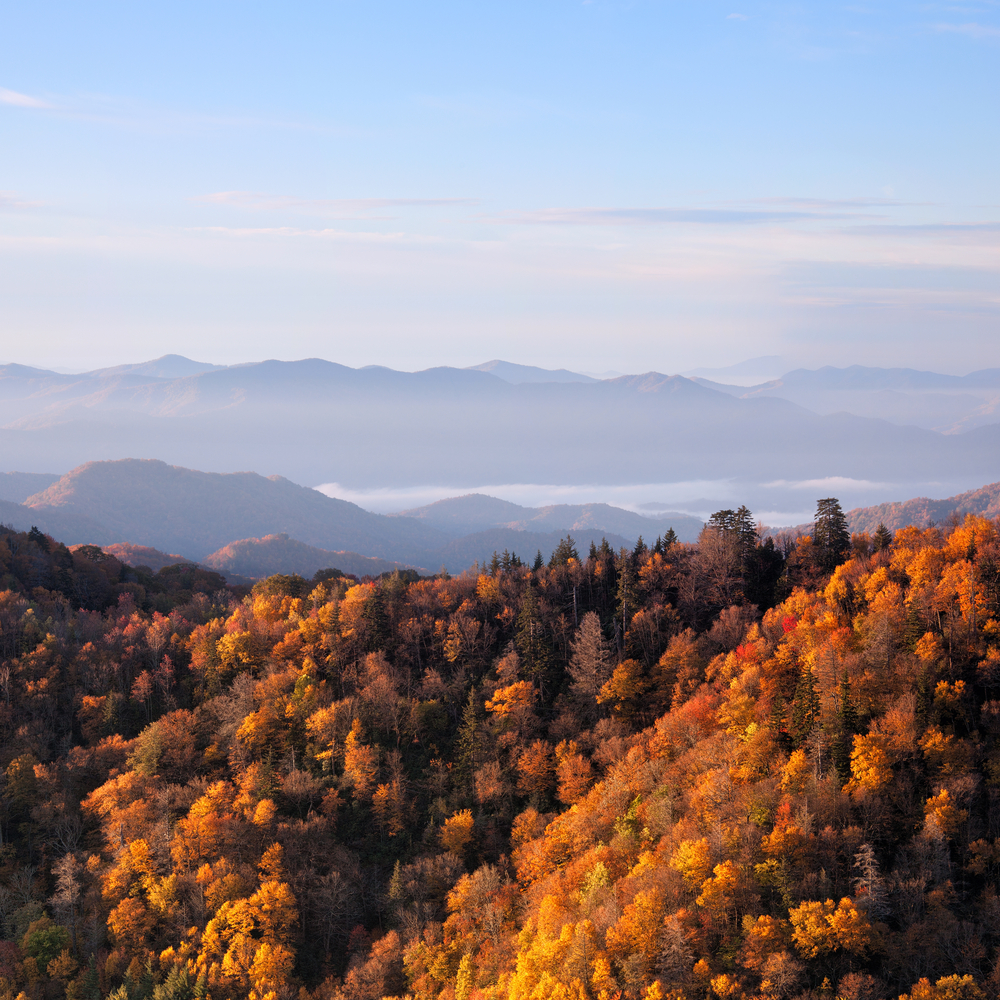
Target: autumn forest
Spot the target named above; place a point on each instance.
(743, 768)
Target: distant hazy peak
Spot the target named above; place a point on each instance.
(766, 367)
(169, 366)
(469, 505)
(518, 374)
(14, 370)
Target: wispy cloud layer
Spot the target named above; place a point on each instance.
(17, 100)
(644, 216)
(797, 210)
(971, 28)
(343, 208)
(10, 202)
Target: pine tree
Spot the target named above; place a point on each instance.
(625, 599)
(831, 536)
(467, 740)
(883, 538)
(539, 562)
(91, 985)
(639, 552)
(531, 640)
(563, 552)
(805, 709)
(378, 627)
(847, 726)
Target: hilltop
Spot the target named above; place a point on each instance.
(478, 512)
(922, 511)
(256, 558)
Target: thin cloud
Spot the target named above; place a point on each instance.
(932, 228)
(828, 482)
(17, 100)
(334, 207)
(10, 202)
(737, 17)
(329, 234)
(656, 216)
(833, 204)
(972, 29)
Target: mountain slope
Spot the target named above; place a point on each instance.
(922, 511)
(181, 510)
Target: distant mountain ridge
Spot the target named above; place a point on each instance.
(18, 486)
(143, 502)
(315, 421)
(518, 374)
(946, 403)
(478, 512)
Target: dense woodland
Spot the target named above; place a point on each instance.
(733, 769)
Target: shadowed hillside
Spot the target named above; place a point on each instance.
(182, 510)
(260, 557)
(141, 555)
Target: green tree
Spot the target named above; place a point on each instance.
(805, 708)
(883, 538)
(831, 535)
(563, 552)
(847, 727)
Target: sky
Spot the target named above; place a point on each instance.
(601, 185)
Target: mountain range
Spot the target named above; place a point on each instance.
(946, 403)
(314, 421)
(248, 526)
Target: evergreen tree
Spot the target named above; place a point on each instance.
(670, 538)
(90, 987)
(563, 552)
(831, 536)
(539, 562)
(805, 709)
(883, 538)
(531, 641)
(467, 740)
(723, 520)
(639, 552)
(847, 726)
(624, 601)
(746, 533)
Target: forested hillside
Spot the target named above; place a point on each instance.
(715, 770)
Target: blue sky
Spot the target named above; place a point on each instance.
(602, 185)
